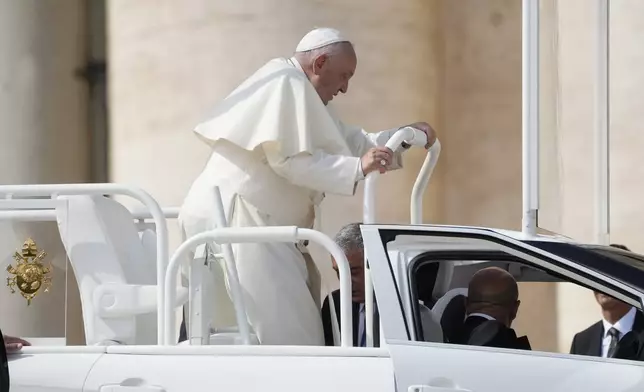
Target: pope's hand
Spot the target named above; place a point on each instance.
(13, 344)
(429, 131)
(377, 158)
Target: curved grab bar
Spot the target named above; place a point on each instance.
(413, 137)
(416, 204)
(408, 135)
(229, 235)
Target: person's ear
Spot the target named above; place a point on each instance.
(319, 63)
(515, 310)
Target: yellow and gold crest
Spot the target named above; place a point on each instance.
(29, 273)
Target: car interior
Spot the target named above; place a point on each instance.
(439, 279)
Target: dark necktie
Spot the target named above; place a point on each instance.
(614, 338)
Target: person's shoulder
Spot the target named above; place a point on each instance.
(335, 294)
(638, 322)
(591, 330)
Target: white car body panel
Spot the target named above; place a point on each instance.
(205, 373)
(40, 369)
(484, 369)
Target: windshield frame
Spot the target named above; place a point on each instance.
(625, 266)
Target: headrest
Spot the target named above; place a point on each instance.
(453, 316)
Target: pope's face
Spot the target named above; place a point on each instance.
(331, 74)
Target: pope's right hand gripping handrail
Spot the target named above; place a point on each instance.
(413, 137)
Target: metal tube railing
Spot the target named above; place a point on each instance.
(168, 212)
(602, 125)
(289, 234)
(413, 137)
(530, 116)
(422, 180)
(233, 277)
(53, 190)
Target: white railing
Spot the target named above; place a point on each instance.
(143, 214)
(426, 171)
(233, 277)
(413, 137)
(288, 234)
(530, 116)
(37, 210)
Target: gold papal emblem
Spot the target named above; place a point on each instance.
(29, 273)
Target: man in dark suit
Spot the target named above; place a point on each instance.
(601, 338)
(618, 319)
(8, 344)
(349, 239)
(491, 307)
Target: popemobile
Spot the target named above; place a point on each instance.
(130, 300)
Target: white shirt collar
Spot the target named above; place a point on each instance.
(486, 316)
(623, 325)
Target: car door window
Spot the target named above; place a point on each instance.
(457, 253)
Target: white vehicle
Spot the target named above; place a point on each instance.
(129, 306)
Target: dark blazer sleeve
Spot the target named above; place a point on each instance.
(326, 323)
(4, 366)
(573, 346)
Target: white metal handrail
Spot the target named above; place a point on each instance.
(413, 137)
(54, 190)
(142, 214)
(289, 234)
(422, 180)
(530, 116)
(233, 276)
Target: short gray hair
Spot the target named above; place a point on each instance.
(349, 238)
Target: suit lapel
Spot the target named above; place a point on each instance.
(376, 329)
(355, 311)
(638, 323)
(595, 344)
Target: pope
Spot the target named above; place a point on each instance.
(277, 148)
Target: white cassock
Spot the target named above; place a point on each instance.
(276, 150)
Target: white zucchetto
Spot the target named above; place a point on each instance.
(319, 38)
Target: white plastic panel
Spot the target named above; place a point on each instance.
(47, 372)
(207, 373)
(485, 369)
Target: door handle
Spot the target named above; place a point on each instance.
(123, 388)
(427, 388)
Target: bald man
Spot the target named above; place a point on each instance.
(491, 307)
(277, 148)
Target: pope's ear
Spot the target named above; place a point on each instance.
(319, 62)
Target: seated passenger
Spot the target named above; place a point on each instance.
(492, 305)
(349, 239)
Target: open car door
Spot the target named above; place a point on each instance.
(438, 366)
